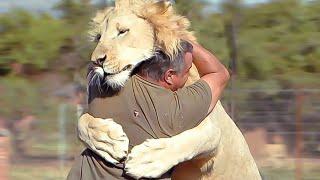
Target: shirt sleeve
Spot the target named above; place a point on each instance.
(192, 105)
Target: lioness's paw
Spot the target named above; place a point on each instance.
(109, 136)
(105, 137)
(150, 159)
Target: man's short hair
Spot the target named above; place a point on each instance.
(156, 66)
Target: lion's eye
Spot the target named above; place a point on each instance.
(98, 37)
(123, 32)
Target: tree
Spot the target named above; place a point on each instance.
(277, 43)
(30, 39)
(75, 11)
(77, 14)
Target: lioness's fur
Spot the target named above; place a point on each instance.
(128, 34)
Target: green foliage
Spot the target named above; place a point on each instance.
(21, 97)
(30, 39)
(277, 41)
(77, 15)
(208, 26)
(75, 11)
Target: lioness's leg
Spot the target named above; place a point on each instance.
(156, 156)
(104, 137)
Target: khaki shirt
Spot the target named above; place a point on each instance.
(145, 111)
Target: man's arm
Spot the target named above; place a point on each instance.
(198, 100)
(211, 71)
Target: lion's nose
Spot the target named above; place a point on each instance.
(101, 60)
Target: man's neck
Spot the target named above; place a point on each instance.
(159, 83)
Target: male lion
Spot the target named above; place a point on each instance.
(126, 35)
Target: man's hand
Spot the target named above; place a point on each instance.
(104, 137)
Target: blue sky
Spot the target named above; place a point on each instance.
(36, 5)
(45, 5)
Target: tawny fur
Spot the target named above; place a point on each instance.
(169, 27)
(161, 25)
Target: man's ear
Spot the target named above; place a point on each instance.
(168, 76)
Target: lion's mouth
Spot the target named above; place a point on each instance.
(104, 82)
(117, 79)
(126, 68)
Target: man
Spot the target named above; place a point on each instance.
(154, 104)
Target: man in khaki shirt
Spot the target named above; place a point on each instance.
(154, 104)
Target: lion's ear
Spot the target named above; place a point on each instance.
(159, 7)
(101, 15)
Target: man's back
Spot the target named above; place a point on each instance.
(145, 111)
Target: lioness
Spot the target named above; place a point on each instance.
(128, 34)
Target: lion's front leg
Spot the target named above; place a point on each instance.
(104, 137)
(154, 157)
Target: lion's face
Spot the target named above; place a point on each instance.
(129, 34)
(124, 40)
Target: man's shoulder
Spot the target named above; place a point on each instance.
(153, 99)
(198, 87)
(139, 83)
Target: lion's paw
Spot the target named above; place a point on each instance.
(109, 136)
(151, 159)
(105, 137)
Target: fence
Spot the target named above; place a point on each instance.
(280, 126)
